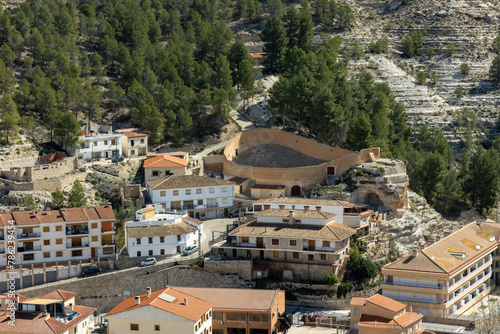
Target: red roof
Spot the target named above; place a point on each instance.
(132, 134)
(194, 309)
(257, 56)
(164, 160)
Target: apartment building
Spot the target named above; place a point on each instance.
(353, 215)
(203, 197)
(164, 165)
(307, 244)
(99, 141)
(253, 311)
(165, 310)
(155, 233)
(381, 315)
(58, 235)
(54, 312)
(134, 143)
(448, 277)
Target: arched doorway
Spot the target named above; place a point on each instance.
(296, 190)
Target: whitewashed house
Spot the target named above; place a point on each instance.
(98, 141)
(203, 197)
(154, 232)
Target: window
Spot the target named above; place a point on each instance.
(95, 238)
(28, 257)
(276, 254)
(157, 327)
(176, 193)
(211, 190)
(323, 257)
(150, 252)
(58, 228)
(134, 327)
(76, 253)
(357, 312)
(113, 141)
(138, 240)
(295, 255)
(258, 317)
(132, 152)
(155, 173)
(105, 142)
(46, 242)
(46, 229)
(163, 193)
(59, 254)
(162, 239)
(95, 143)
(150, 240)
(310, 257)
(198, 191)
(293, 242)
(245, 240)
(46, 255)
(218, 316)
(138, 253)
(142, 141)
(162, 251)
(93, 225)
(178, 238)
(224, 189)
(188, 191)
(282, 207)
(275, 242)
(236, 316)
(59, 241)
(326, 243)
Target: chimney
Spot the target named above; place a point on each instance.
(63, 212)
(185, 301)
(71, 307)
(48, 211)
(409, 308)
(148, 292)
(137, 300)
(414, 252)
(36, 213)
(108, 205)
(290, 216)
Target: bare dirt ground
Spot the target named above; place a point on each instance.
(275, 156)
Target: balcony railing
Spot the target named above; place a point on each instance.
(467, 277)
(212, 204)
(28, 249)
(439, 302)
(107, 231)
(439, 286)
(458, 293)
(188, 206)
(77, 245)
(76, 232)
(28, 235)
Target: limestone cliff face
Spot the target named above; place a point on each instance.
(382, 184)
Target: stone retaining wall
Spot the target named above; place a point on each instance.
(47, 185)
(242, 268)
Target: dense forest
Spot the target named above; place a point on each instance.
(169, 66)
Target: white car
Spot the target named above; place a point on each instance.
(148, 262)
(190, 249)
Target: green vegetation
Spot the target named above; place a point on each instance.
(76, 197)
(450, 49)
(421, 78)
(343, 289)
(412, 43)
(29, 204)
(57, 200)
(331, 279)
(380, 46)
(464, 68)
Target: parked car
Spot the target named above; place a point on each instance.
(118, 159)
(90, 271)
(190, 249)
(236, 213)
(470, 326)
(148, 262)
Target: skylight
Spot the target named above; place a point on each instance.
(167, 298)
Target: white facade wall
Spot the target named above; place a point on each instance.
(304, 221)
(339, 210)
(169, 245)
(99, 145)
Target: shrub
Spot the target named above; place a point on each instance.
(421, 78)
(331, 279)
(459, 91)
(464, 69)
(450, 49)
(343, 289)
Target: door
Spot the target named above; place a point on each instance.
(107, 155)
(212, 214)
(311, 245)
(261, 255)
(330, 170)
(296, 190)
(92, 252)
(260, 242)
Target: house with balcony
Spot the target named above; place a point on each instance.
(381, 315)
(201, 196)
(164, 165)
(353, 215)
(158, 233)
(134, 143)
(58, 235)
(54, 312)
(450, 276)
(307, 244)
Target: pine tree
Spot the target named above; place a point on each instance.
(77, 196)
(57, 200)
(275, 40)
(247, 80)
(9, 118)
(29, 204)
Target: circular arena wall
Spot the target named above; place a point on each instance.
(338, 160)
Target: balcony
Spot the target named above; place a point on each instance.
(467, 277)
(29, 249)
(474, 283)
(439, 286)
(77, 230)
(2, 237)
(34, 235)
(212, 204)
(77, 245)
(188, 207)
(437, 302)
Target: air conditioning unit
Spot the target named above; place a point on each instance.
(221, 322)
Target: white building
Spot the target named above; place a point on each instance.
(134, 143)
(158, 233)
(203, 197)
(57, 235)
(54, 312)
(353, 215)
(165, 310)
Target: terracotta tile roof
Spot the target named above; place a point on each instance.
(83, 313)
(164, 230)
(257, 56)
(358, 301)
(193, 311)
(164, 160)
(186, 181)
(473, 241)
(268, 186)
(305, 201)
(192, 220)
(234, 299)
(133, 134)
(81, 214)
(312, 214)
(408, 318)
(58, 294)
(331, 231)
(386, 302)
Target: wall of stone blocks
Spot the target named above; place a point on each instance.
(242, 268)
(48, 185)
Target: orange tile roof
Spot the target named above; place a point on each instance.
(408, 318)
(314, 214)
(194, 309)
(133, 134)
(386, 302)
(257, 56)
(58, 294)
(81, 214)
(192, 220)
(305, 201)
(164, 160)
(358, 300)
(59, 327)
